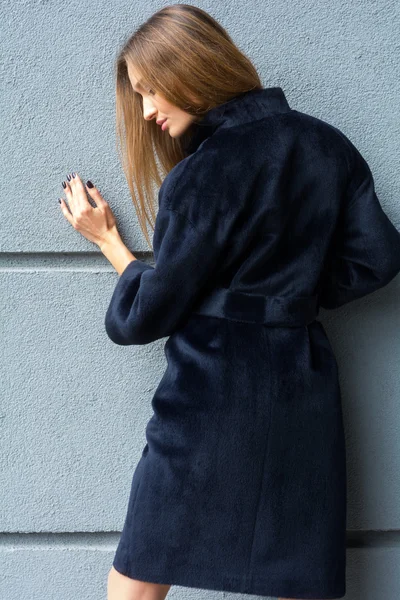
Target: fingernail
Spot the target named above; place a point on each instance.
(73, 175)
(89, 184)
(59, 200)
(64, 184)
(69, 177)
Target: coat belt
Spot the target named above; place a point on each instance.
(284, 311)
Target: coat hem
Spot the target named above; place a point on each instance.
(211, 580)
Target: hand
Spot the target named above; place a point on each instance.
(94, 223)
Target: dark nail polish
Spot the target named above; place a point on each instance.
(73, 175)
(59, 201)
(64, 185)
(89, 184)
(69, 177)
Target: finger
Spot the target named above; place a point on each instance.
(76, 181)
(78, 190)
(70, 197)
(66, 212)
(95, 194)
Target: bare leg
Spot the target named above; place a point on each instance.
(121, 587)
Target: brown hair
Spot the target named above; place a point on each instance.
(182, 53)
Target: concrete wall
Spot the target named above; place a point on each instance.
(73, 405)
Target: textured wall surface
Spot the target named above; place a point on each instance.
(73, 405)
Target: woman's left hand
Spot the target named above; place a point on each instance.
(94, 223)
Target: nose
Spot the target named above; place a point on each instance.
(148, 110)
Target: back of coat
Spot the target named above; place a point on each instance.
(310, 220)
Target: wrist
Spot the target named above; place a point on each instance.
(115, 251)
(112, 237)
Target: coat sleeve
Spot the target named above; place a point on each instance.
(365, 252)
(149, 302)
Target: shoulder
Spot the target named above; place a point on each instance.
(342, 144)
(339, 147)
(331, 138)
(208, 160)
(204, 185)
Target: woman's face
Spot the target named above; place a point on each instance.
(156, 107)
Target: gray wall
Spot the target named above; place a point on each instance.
(73, 405)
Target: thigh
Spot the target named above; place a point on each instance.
(121, 587)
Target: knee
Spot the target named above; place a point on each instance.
(121, 587)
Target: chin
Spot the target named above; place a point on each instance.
(174, 134)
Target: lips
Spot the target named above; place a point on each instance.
(161, 122)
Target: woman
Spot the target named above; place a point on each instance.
(264, 215)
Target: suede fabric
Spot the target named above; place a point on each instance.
(241, 485)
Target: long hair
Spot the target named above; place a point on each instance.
(188, 58)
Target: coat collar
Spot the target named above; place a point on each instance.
(249, 106)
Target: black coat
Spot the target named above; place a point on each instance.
(241, 485)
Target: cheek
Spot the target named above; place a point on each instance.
(165, 108)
